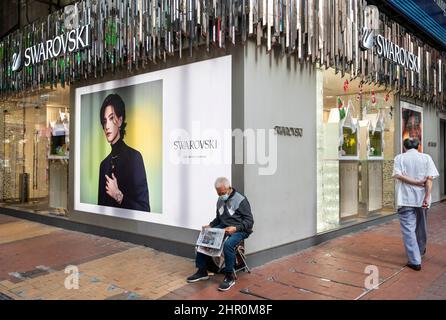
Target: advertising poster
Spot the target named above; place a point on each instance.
(411, 123)
(150, 147)
(129, 158)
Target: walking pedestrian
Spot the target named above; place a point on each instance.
(414, 172)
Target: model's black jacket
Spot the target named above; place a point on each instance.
(128, 166)
(235, 211)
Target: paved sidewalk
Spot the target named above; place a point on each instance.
(33, 258)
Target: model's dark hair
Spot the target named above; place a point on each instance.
(410, 113)
(118, 105)
(411, 143)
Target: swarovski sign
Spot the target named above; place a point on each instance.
(389, 50)
(74, 40)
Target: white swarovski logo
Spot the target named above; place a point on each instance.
(367, 38)
(16, 61)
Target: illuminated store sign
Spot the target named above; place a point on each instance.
(389, 50)
(74, 40)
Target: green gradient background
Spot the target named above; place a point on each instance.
(143, 106)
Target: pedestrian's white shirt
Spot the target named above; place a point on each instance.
(415, 165)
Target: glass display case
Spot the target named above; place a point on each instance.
(349, 140)
(59, 137)
(376, 144)
(349, 147)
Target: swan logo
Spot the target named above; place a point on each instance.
(16, 61)
(367, 39)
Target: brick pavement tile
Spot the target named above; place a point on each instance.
(7, 284)
(390, 255)
(7, 219)
(386, 259)
(55, 250)
(319, 285)
(200, 290)
(211, 292)
(100, 275)
(410, 284)
(19, 230)
(272, 290)
(244, 296)
(124, 296)
(329, 272)
(172, 296)
(339, 263)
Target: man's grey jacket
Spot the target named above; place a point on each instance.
(235, 211)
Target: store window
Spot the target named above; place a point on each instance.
(355, 150)
(34, 151)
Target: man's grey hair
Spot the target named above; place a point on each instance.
(222, 181)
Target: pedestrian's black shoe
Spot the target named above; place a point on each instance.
(227, 282)
(416, 267)
(197, 276)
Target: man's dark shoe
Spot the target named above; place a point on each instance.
(227, 282)
(416, 267)
(197, 276)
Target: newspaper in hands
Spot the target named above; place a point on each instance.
(210, 241)
(211, 238)
(210, 252)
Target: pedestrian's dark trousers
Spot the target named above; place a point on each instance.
(228, 250)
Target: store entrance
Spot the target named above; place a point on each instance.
(442, 157)
(13, 153)
(24, 147)
(34, 155)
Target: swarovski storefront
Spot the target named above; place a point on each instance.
(304, 111)
(35, 151)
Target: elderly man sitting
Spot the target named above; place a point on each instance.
(234, 215)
